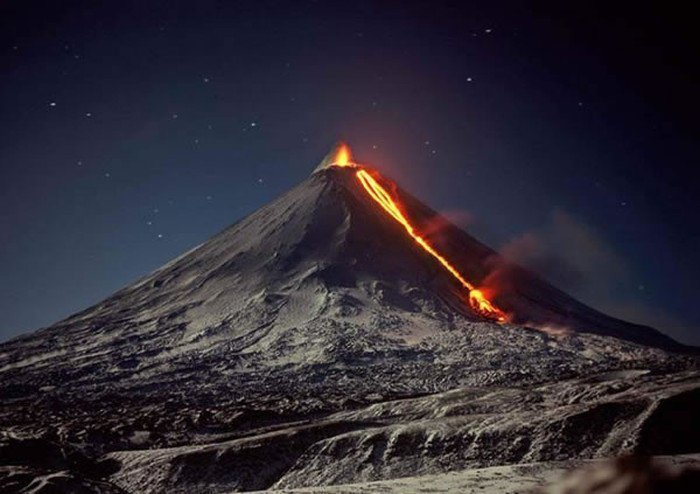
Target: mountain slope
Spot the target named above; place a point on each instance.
(269, 334)
(322, 240)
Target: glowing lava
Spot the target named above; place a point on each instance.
(343, 156)
(478, 302)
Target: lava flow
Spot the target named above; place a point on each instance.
(478, 302)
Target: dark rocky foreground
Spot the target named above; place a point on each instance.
(294, 430)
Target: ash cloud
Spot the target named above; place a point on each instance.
(577, 259)
(571, 255)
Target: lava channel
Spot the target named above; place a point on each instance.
(477, 300)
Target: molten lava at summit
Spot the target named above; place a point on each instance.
(477, 300)
(343, 156)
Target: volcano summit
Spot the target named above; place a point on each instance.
(328, 339)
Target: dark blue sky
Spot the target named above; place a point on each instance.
(132, 131)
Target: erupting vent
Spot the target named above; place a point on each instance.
(477, 300)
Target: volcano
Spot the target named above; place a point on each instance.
(328, 339)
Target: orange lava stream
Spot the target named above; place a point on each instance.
(478, 302)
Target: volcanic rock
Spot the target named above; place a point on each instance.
(314, 343)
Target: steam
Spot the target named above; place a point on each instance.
(569, 254)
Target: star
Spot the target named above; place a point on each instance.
(160, 235)
(260, 180)
(52, 104)
(174, 115)
(469, 79)
(107, 175)
(88, 114)
(206, 79)
(253, 124)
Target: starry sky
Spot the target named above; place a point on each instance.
(566, 137)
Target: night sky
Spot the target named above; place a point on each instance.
(566, 138)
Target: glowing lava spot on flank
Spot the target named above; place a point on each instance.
(477, 300)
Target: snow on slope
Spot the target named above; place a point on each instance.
(320, 254)
(313, 333)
